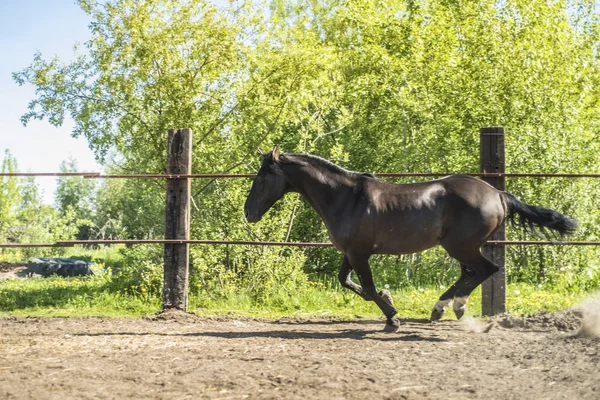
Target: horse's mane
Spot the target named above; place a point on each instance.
(317, 161)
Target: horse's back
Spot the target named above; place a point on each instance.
(400, 219)
(458, 190)
(412, 217)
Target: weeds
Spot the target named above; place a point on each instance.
(129, 283)
(102, 296)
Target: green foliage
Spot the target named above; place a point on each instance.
(97, 296)
(75, 192)
(260, 270)
(9, 197)
(103, 257)
(141, 273)
(74, 197)
(44, 224)
(130, 209)
(24, 219)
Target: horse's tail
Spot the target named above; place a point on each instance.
(535, 218)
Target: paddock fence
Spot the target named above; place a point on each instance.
(177, 215)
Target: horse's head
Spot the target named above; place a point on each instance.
(268, 187)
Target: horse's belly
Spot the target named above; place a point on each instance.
(404, 246)
(391, 233)
(407, 238)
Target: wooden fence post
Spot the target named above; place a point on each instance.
(493, 160)
(177, 219)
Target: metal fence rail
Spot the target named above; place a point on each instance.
(98, 175)
(71, 243)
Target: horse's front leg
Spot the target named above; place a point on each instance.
(346, 281)
(360, 264)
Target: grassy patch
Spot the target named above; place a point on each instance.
(98, 296)
(416, 303)
(66, 297)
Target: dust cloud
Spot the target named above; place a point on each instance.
(590, 321)
(471, 324)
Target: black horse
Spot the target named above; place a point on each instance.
(365, 216)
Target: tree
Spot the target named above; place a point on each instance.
(75, 192)
(149, 66)
(9, 198)
(23, 217)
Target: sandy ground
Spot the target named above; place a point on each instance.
(8, 270)
(180, 356)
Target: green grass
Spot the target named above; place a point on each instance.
(67, 297)
(417, 303)
(98, 296)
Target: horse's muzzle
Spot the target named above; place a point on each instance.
(251, 217)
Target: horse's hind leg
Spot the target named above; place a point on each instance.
(483, 269)
(446, 298)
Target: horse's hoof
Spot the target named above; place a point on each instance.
(387, 296)
(392, 325)
(436, 314)
(460, 306)
(439, 309)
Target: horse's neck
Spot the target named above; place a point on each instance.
(321, 188)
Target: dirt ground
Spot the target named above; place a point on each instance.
(180, 356)
(8, 270)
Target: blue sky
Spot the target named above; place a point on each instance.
(51, 27)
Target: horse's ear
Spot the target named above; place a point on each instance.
(260, 152)
(275, 153)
